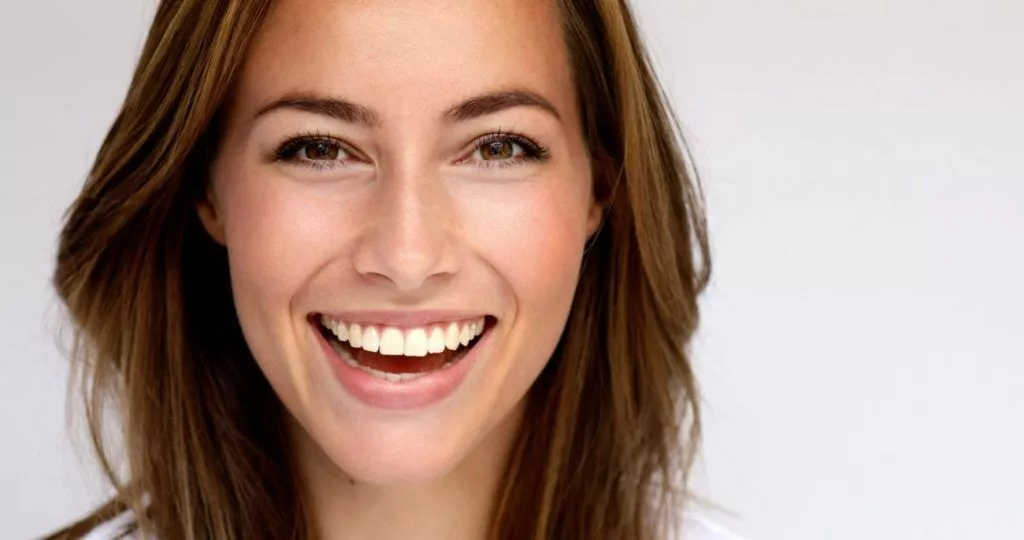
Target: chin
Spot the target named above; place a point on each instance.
(395, 454)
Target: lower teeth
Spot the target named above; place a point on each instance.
(383, 375)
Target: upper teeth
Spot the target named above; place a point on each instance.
(418, 341)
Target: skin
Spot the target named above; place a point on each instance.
(409, 218)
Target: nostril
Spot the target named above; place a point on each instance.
(375, 278)
(407, 253)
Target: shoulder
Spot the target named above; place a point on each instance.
(697, 527)
(118, 528)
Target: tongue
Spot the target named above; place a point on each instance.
(399, 363)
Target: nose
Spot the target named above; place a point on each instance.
(409, 242)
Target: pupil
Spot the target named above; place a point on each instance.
(322, 150)
(500, 149)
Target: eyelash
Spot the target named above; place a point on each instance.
(531, 150)
(288, 152)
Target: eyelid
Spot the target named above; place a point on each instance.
(533, 151)
(296, 143)
(286, 151)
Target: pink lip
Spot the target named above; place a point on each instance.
(401, 395)
(402, 319)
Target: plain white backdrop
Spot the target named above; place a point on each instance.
(862, 353)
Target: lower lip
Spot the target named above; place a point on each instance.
(401, 395)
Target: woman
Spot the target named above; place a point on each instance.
(390, 269)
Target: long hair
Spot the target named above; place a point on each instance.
(612, 423)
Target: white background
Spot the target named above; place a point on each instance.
(862, 351)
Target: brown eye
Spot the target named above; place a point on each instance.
(506, 149)
(503, 149)
(498, 149)
(321, 151)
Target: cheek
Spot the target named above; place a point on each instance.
(271, 236)
(275, 238)
(539, 241)
(534, 240)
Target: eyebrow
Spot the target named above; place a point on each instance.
(325, 106)
(471, 108)
(493, 102)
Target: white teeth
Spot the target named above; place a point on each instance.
(371, 339)
(393, 377)
(355, 335)
(436, 343)
(451, 336)
(416, 342)
(391, 342)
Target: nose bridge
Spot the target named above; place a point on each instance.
(408, 242)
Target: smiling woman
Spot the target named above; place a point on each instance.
(390, 269)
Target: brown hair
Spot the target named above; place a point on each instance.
(158, 341)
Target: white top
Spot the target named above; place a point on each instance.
(695, 527)
(113, 529)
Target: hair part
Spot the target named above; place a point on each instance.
(157, 337)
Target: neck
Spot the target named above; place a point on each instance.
(456, 506)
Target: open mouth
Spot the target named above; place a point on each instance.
(401, 354)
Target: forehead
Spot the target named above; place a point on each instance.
(408, 56)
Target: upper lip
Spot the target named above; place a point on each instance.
(404, 318)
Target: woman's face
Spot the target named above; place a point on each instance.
(394, 178)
